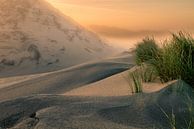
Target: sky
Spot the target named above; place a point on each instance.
(125, 21)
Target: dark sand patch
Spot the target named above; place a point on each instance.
(139, 111)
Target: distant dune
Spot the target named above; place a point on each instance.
(35, 37)
(61, 81)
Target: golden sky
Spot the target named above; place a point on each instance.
(130, 18)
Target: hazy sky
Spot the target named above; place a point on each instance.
(130, 18)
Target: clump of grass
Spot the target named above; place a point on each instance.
(135, 81)
(171, 118)
(146, 50)
(147, 72)
(176, 59)
(189, 123)
(140, 74)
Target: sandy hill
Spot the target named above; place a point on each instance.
(38, 101)
(35, 37)
(61, 81)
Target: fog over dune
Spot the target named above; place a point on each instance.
(124, 22)
(124, 32)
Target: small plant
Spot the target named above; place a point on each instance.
(148, 72)
(171, 119)
(140, 74)
(189, 123)
(146, 50)
(135, 81)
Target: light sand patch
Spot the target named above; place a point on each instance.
(115, 85)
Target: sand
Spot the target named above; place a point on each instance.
(61, 81)
(35, 37)
(62, 112)
(116, 85)
(67, 92)
(92, 95)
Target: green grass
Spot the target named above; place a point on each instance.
(173, 61)
(140, 74)
(135, 81)
(189, 122)
(147, 72)
(146, 50)
(176, 59)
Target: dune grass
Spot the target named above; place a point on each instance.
(134, 81)
(147, 72)
(175, 60)
(189, 122)
(146, 50)
(136, 86)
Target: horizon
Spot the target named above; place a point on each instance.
(130, 20)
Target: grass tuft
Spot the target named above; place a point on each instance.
(146, 50)
(176, 59)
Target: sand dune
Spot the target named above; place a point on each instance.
(90, 96)
(57, 111)
(65, 80)
(47, 81)
(116, 85)
(35, 37)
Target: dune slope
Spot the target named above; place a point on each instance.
(35, 37)
(64, 80)
(135, 112)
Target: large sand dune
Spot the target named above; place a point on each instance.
(53, 86)
(116, 85)
(35, 37)
(34, 104)
(62, 81)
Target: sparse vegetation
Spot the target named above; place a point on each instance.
(146, 50)
(189, 122)
(134, 80)
(147, 72)
(175, 60)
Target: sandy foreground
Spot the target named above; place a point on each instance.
(94, 95)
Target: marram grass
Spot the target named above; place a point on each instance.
(146, 50)
(174, 60)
